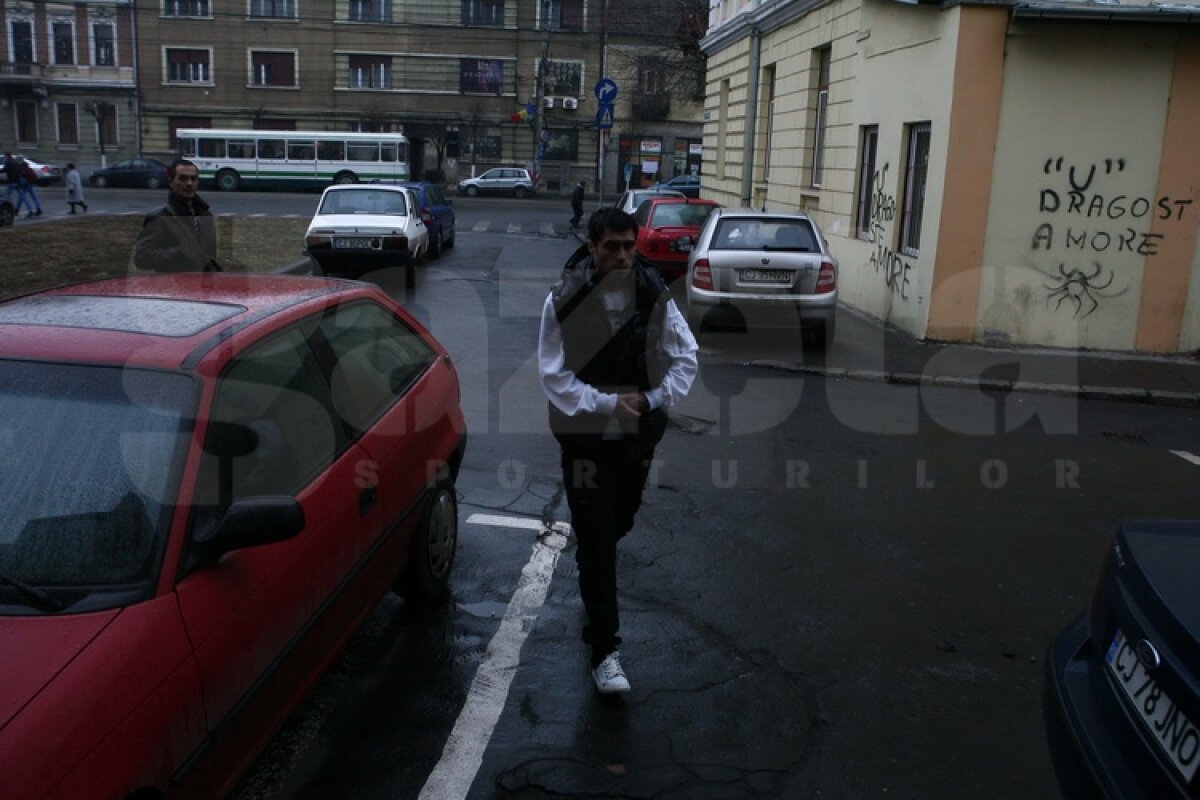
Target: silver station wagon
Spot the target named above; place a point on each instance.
(762, 270)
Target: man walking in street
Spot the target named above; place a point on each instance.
(577, 204)
(614, 354)
(21, 180)
(182, 235)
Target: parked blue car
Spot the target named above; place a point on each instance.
(688, 183)
(437, 212)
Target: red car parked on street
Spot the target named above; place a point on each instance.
(206, 482)
(668, 228)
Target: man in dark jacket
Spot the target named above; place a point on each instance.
(614, 353)
(577, 205)
(182, 235)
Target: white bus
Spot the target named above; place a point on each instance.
(230, 159)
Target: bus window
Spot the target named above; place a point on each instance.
(211, 148)
(187, 147)
(331, 151)
(270, 149)
(363, 151)
(300, 151)
(387, 152)
(241, 148)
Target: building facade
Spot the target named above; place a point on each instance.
(1003, 173)
(68, 80)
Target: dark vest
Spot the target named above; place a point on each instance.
(631, 359)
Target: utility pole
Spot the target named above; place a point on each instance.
(602, 134)
(539, 91)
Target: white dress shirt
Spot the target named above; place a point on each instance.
(572, 396)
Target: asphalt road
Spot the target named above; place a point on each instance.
(836, 588)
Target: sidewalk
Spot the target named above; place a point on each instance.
(866, 349)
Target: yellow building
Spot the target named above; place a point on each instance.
(1019, 173)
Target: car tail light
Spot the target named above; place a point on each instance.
(426, 215)
(826, 278)
(702, 274)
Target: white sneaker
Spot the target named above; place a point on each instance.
(609, 677)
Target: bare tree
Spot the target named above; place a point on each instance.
(666, 35)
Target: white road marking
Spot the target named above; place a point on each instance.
(514, 227)
(1186, 456)
(547, 228)
(455, 772)
(480, 227)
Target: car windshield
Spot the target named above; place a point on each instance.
(764, 234)
(679, 214)
(364, 201)
(87, 478)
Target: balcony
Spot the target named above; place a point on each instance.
(21, 74)
(651, 107)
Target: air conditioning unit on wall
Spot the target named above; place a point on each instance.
(570, 103)
(548, 102)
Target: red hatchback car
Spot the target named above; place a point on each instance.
(206, 483)
(668, 228)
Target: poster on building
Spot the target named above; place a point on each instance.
(651, 146)
(480, 75)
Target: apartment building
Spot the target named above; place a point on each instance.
(68, 80)
(1016, 173)
(471, 83)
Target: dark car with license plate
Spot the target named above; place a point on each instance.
(207, 483)
(1122, 704)
(146, 173)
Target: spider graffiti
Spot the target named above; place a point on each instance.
(1077, 286)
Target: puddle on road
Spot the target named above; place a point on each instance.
(488, 609)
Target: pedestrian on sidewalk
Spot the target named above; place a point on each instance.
(21, 176)
(614, 353)
(182, 235)
(74, 188)
(577, 204)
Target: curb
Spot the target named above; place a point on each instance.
(1116, 393)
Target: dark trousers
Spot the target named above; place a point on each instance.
(577, 210)
(604, 480)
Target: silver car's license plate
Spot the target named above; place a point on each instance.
(351, 243)
(765, 276)
(1175, 734)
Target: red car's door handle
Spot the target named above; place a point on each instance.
(366, 501)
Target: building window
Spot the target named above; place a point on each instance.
(105, 115)
(915, 171)
(652, 78)
(868, 146)
(821, 56)
(105, 50)
(768, 82)
(185, 8)
(483, 12)
(480, 75)
(188, 66)
(273, 9)
(22, 42)
(371, 10)
(722, 126)
(563, 15)
(64, 42)
(27, 122)
(370, 72)
(562, 144)
(563, 79)
(370, 126)
(175, 123)
(485, 144)
(272, 68)
(68, 123)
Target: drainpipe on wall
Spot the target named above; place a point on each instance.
(751, 118)
(137, 87)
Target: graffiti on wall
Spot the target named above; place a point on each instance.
(1087, 221)
(894, 268)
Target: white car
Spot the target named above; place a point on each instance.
(359, 228)
(630, 201)
(46, 173)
